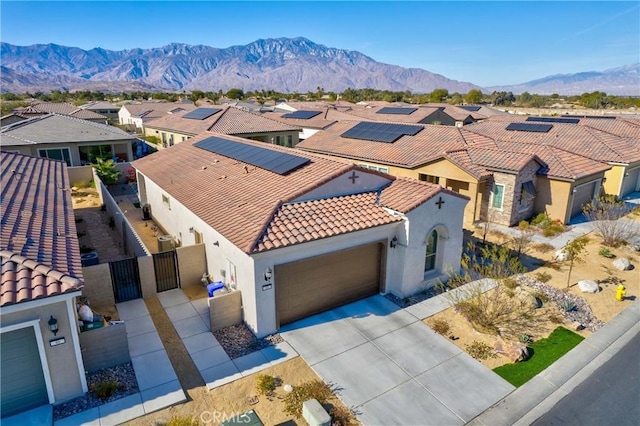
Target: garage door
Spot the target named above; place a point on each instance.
(319, 283)
(583, 195)
(631, 183)
(23, 385)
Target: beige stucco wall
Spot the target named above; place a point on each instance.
(32, 150)
(147, 277)
(553, 197)
(98, 287)
(61, 359)
(192, 263)
(614, 180)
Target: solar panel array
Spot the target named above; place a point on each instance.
(529, 127)
(470, 107)
(554, 120)
(302, 115)
(268, 159)
(201, 113)
(606, 117)
(397, 111)
(143, 112)
(381, 132)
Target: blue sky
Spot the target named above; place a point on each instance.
(486, 43)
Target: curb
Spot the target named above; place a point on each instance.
(531, 400)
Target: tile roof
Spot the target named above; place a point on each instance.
(63, 108)
(38, 244)
(313, 220)
(370, 112)
(99, 105)
(327, 117)
(157, 109)
(56, 128)
(405, 194)
(245, 204)
(229, 121)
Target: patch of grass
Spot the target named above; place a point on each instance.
(544, 352)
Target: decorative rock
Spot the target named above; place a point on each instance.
(561, 255)
(578, 326)
(588, 286)
(622, 264)
(516, 352)
(288, 388)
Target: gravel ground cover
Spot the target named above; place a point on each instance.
(237, 340)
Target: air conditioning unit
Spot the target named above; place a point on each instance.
(165, 243)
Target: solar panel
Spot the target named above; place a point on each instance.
(470, 107)
(529, 127)
(143, 112)
(302, 115)
(381, 132)
(554, 120)
(397, 111)
(606, 117)
(201, 113)
(268, 159)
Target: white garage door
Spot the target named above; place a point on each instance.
(22, 383)
(316, 284)
(583, 195)
(631, 182)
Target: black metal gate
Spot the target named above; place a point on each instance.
(165, 265)
(125, 277)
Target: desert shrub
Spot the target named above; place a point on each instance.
(510, 283)
(556, 319)
(605, 252)
(543, 247)
(340, 416)
(554, 228)
(539, 295)
(105, 389)
(604, 214)
(440, 326)
(265, 384)
(480, 350)
(183, 421)
(543, 277)
(314, 389)
(568, 305)
(541, 219)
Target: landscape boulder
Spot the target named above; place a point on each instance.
(588, 286)
(622, 264)
(561, 255)
(516, 352)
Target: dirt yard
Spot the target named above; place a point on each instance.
(595, 267)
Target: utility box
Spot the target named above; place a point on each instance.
(146, 212)
(315, 414)
(165, 243)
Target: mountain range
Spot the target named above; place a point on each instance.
(284, 65)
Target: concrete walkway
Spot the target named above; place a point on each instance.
(391, 368)
(537, 396)
(157, 380)
(191, 321)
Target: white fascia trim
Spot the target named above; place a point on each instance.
(75, 338)
(23, 306)
(35, 323)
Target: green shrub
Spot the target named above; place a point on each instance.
(605, 252)
(554, 228)
(106, 171)
(541, 220)
(265, 384)
(440, 326)
(105, 389)
(183, 421)
(543, 277)
(480, 350)
(314, 389)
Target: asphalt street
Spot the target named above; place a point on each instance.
(610, 396)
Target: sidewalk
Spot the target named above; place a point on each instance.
(530, 401)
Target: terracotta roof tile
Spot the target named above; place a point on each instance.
(405, 194)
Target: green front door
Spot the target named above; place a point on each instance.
(22, 385)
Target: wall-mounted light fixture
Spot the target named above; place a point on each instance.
(393, 243)
(53, 325)
(191, 229)
(216, 244)
(268, 273)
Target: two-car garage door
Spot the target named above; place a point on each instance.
(320, 283)
(22, 384)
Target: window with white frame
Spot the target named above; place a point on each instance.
(62, 154)
(497, 196)
(166, 201)
(431, 252)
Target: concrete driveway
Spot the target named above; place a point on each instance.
(391, 368)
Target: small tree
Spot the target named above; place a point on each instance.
(473, 97)
(522, 239)
(106, 170)
(605, 214)
(574, 250)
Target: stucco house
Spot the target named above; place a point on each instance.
(176, 128)
(440, 114)
(38, 109)
(41, 276)
(297, 233)
(310, 121)
(136, 115)
(505, 181)
(74, 141)
(104, 108)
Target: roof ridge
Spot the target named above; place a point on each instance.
(593, 131)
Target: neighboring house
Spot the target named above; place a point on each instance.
(105, 108)
(137, 114)
(77, 142)
(505, 182)
(310, 120)
(8, 119)
(62, 108)
(176, 128)
(41, 276)
(298, 233)
(442, 114)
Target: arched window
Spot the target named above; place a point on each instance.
(430, 253)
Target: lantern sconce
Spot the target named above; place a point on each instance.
(53, 325)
